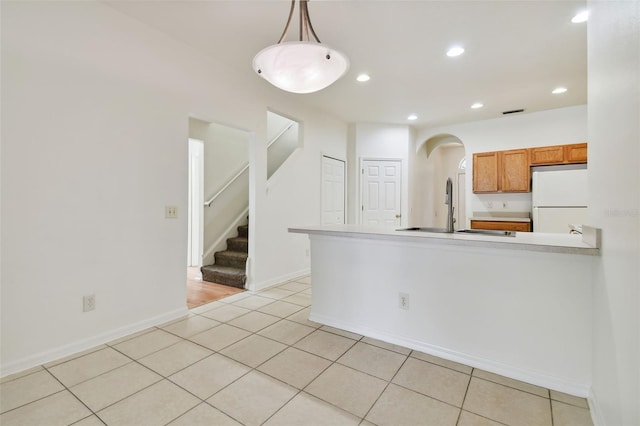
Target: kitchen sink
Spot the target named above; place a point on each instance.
(463, 231)
(436, 230)
(488, 232)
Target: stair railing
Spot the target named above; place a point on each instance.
(244, 169)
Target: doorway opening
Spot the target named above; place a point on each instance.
(218, 200)
(440, 157)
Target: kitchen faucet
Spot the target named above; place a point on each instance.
(448, 200)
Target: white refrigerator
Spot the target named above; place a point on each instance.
(559, 198)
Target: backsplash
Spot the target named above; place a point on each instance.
(501, 203)
(502, 213)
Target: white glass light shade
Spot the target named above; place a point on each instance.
(300, 66)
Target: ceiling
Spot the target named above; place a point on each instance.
(516, 52)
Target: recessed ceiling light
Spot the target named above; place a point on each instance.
(477, 105)
(412, 117)
(455, 51)
(363, 77)
(581, 17)
(559, 90)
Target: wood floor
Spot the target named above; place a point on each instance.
(200, 292)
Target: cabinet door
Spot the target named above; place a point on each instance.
(547, 155)
(576, 153)
(515, 174)
(485, 172)
(501, 225)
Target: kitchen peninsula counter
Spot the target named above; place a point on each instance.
(516, 306)
(530, 241)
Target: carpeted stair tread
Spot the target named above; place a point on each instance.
(236, 259)
(226, 275)
(229, 265)
(238, 244)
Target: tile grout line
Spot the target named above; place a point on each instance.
(168, 379)
(360, 339)
(40, 370)
(385, 387)
(76, 397)
(302, 390)
(464, 398)
(512, 387)
(162, 377)
(251, 369)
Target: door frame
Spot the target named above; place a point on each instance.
(361, 183)
(461, 195)
(195, 215)
(345, 185)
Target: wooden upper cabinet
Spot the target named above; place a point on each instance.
(509, 171)
(559, 154)
(515, 175)
(575, 153)
(501, 171)
(547, 155)
(485, 172)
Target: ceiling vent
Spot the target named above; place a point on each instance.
(513, 111)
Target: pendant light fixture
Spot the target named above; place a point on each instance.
(303, 66)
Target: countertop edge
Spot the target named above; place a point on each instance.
(477, 241)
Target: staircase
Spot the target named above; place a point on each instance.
(229, 266)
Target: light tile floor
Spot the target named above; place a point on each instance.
(256, 359)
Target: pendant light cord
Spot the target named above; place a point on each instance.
(305, 22)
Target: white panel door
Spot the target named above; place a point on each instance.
(381, 190)
(333, 190)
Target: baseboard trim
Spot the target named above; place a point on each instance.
(514, 372)
(257, 286)
(594, 409)
(85, 344)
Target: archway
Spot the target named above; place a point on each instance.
(438, 158)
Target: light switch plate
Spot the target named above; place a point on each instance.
(171, 212)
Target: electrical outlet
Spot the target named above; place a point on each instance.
(403, 301)
(170, 212)
(89, 303)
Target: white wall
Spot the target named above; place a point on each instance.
(552, 127)
(288, 141)
(614, 199)
(292, 197)
(95, 110)
(378, 141)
